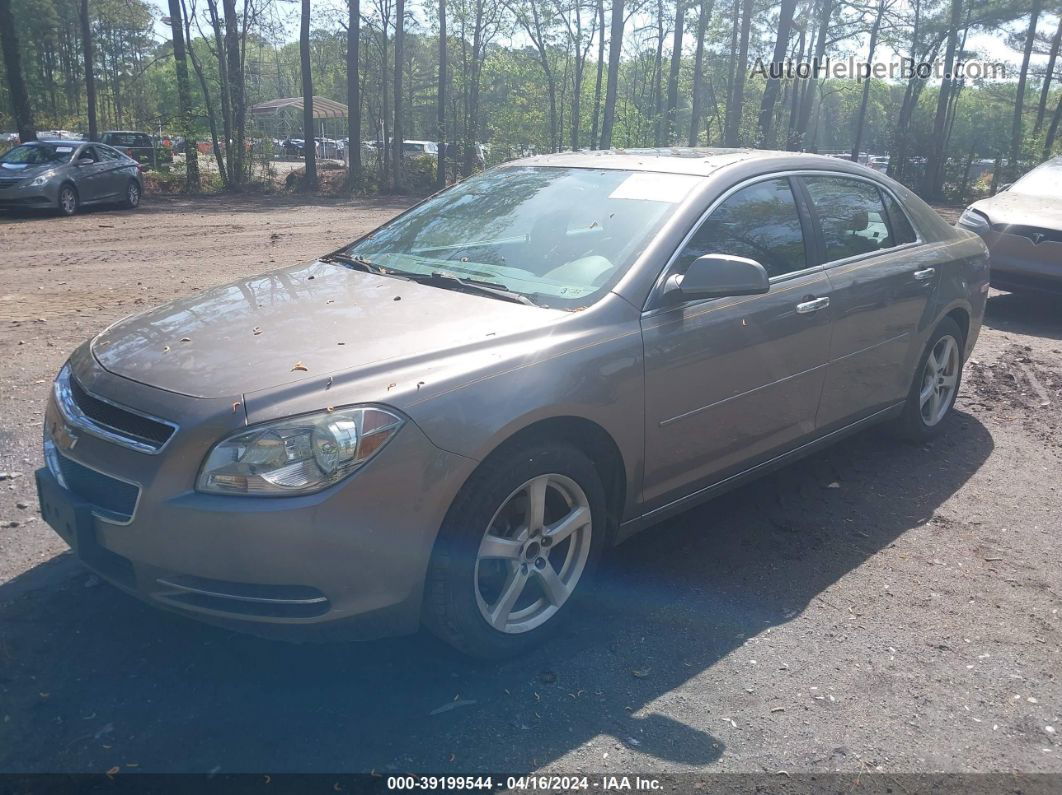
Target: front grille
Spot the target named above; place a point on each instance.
(1037, 234)
(9, 183)
(118, 419)
(112, 496)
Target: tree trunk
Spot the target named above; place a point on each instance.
(224, 92)
(1049, 73)
(1052, 131)
(862, 117)
(90, 69)
(615, 50)
(770, 91)
(659, 122)
(13, 72)
(934, 176)
(697, 99)
(309, 143)
(440, 111)
(596, 125)
(354, 176)
(236, 86)
(808, 98)
(673, 72)
(205, 88)
(737, 96)
(184, 98)
(397, 157)
(1014, 167)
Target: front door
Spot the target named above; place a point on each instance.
(730, 382)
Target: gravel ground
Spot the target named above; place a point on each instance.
(879, 606)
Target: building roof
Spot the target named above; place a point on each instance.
(322, 108)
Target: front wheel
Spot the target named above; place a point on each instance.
(519, 543)
(68, 201)
(936, 384)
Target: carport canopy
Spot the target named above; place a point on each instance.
(322, 108)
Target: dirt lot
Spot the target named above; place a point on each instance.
(877, 607)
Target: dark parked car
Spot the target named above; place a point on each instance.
(1022, 227)
(448, 421)
(66, 175)
(139, 146)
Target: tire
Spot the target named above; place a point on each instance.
(132, 195)
(68, 200)
(468, 596)
(923, 417)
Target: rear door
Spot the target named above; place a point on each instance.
(115, 174)
(89, 178)
(880, 280)
(730, 382)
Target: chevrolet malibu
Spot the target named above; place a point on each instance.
(448, 421)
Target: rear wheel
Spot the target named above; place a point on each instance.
(132, 195)
(68, 199)
(519, 543)
(936, 383)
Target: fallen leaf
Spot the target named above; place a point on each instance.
(641, 674)
(299, 366)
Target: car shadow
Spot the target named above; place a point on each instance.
(92, 678)
(1022, 313)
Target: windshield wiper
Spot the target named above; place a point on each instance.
(449, 280)
(360, 263)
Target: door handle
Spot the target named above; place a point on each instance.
(922, 275)
(813, 305)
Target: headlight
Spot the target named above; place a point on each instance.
(298, 455)
(38, 181)
(974, 220)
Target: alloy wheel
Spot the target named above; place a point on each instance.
(133, 194)
(533, 553)
(68, 200)
(940, 379)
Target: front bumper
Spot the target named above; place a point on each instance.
(46, 195)
(1019, 264)
(349, 560)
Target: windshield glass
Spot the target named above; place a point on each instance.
(1041, 181)
(559, 236)
(37, 154)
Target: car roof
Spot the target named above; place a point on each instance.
(684, 160)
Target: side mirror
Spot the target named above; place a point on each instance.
(85, 161)
(718, 276)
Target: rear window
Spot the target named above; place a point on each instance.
(126, 139)
(851, 215)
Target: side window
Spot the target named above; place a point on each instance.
(106, 153)
(760, 222)
(902, 231)
(90, 152)
(851, 215)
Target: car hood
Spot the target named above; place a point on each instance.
(26, 172)
(1023, 209)
(301, 323)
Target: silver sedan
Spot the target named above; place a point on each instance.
(1022, 227)
(67, 175)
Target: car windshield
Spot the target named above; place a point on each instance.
(126, 139)
(1041, 181)
(559, 236)
(38, 154)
